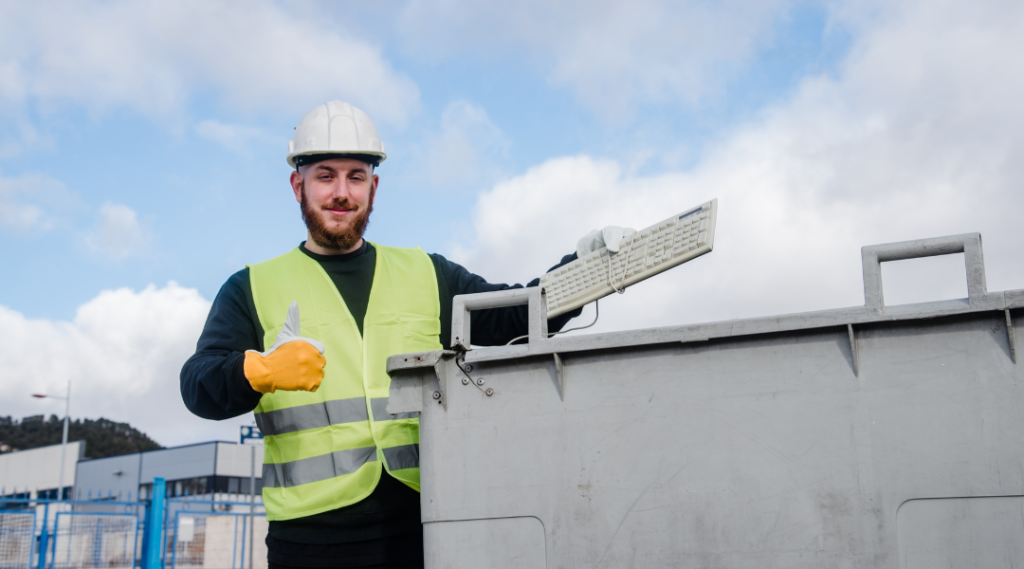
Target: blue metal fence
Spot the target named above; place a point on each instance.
(94, 540)
(206, 539)
(16, 538)
(183, 532)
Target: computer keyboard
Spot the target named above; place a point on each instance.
(650, 251)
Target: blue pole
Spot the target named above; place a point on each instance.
(43, 537)
(154, 526)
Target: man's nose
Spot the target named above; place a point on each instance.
(341, 190)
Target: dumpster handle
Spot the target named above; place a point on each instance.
(532, 296)
(968, 243)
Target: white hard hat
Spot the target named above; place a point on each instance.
(335, 127)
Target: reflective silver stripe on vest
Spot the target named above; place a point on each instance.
(316, 468)
(405, 456)
(312, 416)
(379, 405)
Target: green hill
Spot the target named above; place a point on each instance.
(102, 437)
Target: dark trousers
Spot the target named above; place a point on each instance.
(393, 552)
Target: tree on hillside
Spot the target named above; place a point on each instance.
(102, 437)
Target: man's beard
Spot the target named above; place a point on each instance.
(341, 240)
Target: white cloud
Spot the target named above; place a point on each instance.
(467, 148)
(237, 138)
(612, 54)
(118, 234)
(153, 57)
(19, 217)
(921, 135)
(32, 203)
(123, 352)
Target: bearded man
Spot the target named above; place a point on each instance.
(340, 475)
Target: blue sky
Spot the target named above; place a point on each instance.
(143, 144)
(209, 209)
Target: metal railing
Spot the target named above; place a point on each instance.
(40, 533)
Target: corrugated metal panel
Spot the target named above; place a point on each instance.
(38, 468)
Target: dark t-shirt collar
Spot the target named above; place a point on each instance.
(329, 258)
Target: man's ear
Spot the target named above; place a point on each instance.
(296, 181)
(373, 189)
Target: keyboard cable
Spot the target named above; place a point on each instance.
(597, 308)
(597, 313)
(625, 267)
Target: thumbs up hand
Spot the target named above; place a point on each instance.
(293, 363)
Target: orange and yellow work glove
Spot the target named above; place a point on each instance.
(293, 363)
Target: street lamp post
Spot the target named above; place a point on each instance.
(64, 438)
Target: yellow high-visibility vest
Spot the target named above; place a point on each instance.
(326, 450)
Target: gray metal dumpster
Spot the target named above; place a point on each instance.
(873, 436)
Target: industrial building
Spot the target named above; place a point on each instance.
(214, 469)
(35, 473)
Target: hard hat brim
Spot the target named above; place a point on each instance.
(327, 155)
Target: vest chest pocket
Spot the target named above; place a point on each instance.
(420, 333)
(402, 333)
